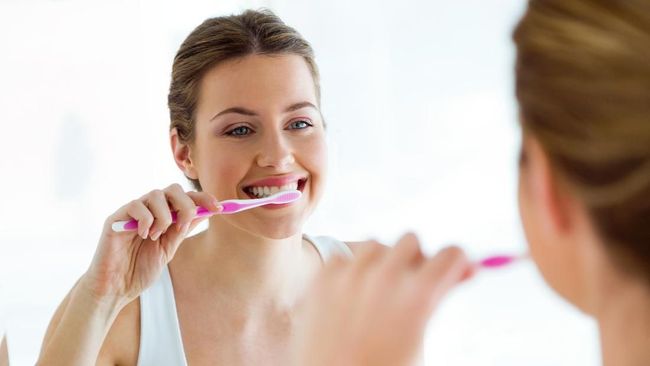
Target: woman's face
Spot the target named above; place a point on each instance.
(259, 130)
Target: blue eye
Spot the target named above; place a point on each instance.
(239, 131)
(299, 125)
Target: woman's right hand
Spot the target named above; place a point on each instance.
(373, 309)
(126, 263)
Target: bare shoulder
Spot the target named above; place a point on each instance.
(358, 246)
(122, 342)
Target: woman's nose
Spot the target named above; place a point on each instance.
(276, 153)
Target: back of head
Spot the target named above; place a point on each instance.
(583, 86)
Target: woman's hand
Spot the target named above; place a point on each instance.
(126, 263)
(373, 310)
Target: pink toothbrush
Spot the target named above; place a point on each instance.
(229, 207)
(499, 261)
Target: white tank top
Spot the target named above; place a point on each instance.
(160, 335)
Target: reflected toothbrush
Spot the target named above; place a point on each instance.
(227, 207)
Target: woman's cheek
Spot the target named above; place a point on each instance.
(222, 176)
(318, 152)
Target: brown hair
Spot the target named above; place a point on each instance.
(583, 86)
(222, 39)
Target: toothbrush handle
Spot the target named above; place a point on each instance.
(132, 224)
(498, 261)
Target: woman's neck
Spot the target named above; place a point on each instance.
(624, 321)
(252, 270)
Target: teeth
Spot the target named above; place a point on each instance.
(261, 192)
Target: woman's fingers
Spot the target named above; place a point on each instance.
(441, 273)
(138, 211)
(156, 201)
(375, 306)
(205, 200)
(364, 265)
(153, 211)
(174, 198)
(173, 239)
(405, 255)
(369, 253)
(183, 205)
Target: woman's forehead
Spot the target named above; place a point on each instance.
(256, 79)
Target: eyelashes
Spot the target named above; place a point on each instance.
(245, 130)
(239, 131)
(300, 124)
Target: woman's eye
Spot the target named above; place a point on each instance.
(239, 131)
(299, 125)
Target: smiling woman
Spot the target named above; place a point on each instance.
(245, 117)
(257, 129)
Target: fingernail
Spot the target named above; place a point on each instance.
(145, 233)
(155, 235)
(216, 204)
(219, 208)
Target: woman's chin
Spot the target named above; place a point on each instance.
(279, 232)
(274, 229)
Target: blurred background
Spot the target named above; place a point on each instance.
(422, 131)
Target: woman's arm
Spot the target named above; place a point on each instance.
(124, 264)
(78, 329)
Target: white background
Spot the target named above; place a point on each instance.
(423, 136)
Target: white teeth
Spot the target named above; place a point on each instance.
(289, 187)
(265, 191)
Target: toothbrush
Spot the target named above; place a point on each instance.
(228, 207)
(498, 261)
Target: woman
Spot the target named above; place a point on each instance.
(582, 83)
(245, 122)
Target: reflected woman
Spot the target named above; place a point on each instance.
(245, 114)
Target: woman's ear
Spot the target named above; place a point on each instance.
(556, 205)
(182, 155)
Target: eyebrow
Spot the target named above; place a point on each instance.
(248, 112)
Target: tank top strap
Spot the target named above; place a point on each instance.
(160, 336)
(328, 246)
